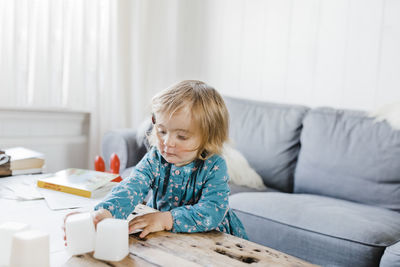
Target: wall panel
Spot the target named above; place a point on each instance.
(302, 51)
(274, 57)
(252, 36)
(330, 49)
(314, 52)
(362, 53)
(388, 88)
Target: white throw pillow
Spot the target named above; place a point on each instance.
(239, 170)
(390, 113)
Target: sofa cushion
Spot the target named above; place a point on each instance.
(234, 189)
(272, 153)
(391, 257)
(347, 155)
(316, 228)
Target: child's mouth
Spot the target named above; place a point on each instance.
(169, 154)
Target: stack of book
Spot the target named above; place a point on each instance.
(4, 164)
(22, 161)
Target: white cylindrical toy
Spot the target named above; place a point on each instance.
(112, 240)
(7, 230)
(80, 233)
(30, 248)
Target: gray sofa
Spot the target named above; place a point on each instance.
(333, 179)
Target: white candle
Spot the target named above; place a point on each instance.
(112, 240)
(7, 230)
(30, 248)
(80, 233)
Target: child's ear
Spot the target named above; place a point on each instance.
(153, 118)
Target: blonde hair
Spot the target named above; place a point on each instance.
(207, 109)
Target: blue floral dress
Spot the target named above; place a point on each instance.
(196, 194)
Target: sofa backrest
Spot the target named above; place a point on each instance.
(346, 154)
(268, 135)
(130, 145)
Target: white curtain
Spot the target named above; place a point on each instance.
(106, 57)
(67, 54)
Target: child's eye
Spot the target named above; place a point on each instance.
(181, 137)
(161, 132)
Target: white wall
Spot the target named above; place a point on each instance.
(61, 135)
(109, 57)
(341, 53)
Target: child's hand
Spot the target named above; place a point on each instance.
(97, 216)
(151, 222)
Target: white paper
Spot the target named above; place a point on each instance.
(25, 190)
(24, 187)
(20, 187)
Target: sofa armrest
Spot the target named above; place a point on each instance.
(130, 145)
(391, 256)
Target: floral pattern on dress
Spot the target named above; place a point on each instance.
(196, 194)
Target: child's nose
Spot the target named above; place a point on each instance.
(168, 141)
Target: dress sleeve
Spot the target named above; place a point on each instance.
(124, 197)
(212, 207)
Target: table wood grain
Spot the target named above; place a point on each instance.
(192, 249)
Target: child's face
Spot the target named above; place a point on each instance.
(177, 137)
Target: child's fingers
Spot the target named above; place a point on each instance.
(96, 220)
(65, 238)
(65, 219)
(69, 214)
(135, 220)
(138, 222)
(145, 232)
(138, 225)
(98, 217)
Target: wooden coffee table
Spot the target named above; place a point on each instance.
(192, 249)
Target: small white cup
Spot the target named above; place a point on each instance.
(112, 240)
(30, 248)
(80, 233)
(7, 230)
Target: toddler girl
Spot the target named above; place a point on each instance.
(184, 168)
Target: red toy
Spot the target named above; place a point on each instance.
(114, 166)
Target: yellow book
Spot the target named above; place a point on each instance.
(77, 181)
